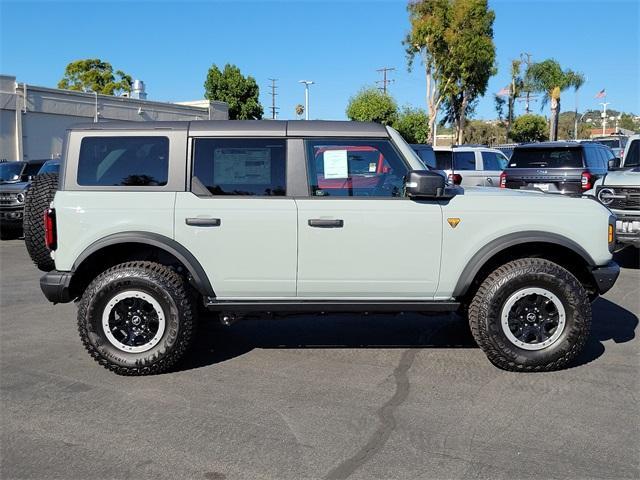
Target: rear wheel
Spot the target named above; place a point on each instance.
(137, 318)
(530, 315)
(39, 197)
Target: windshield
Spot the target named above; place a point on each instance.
(426, 155)
(50, 167)
(632, 156)
(561, 157)
(10, 171)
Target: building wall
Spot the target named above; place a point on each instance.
(33, 120)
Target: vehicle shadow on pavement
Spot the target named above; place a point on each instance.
(216, 343)
(610, 322)
(629, 257)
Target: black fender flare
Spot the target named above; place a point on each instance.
(499, 244)
(197, 273)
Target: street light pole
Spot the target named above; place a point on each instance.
(604, 116)
(306, 97)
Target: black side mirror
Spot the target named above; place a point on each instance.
(614, 163)
(424, 184)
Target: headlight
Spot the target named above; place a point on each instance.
(20, 197)
(607, 196)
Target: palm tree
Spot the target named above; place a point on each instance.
(549, 78)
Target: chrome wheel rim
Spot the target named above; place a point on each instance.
(133, 321)
(533, 318)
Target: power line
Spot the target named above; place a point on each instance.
(384, 80)
(274, 109)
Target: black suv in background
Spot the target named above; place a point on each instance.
(556, 167)
(15, 180)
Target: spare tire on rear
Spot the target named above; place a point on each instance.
(37, 201)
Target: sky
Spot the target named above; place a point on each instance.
(339, 45)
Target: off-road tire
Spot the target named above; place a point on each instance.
(172, 294)
(38, 198)
(486, 306)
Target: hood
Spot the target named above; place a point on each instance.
(502, 192)
(630, 176)
(14, 187)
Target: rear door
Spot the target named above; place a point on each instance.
(493, 163)
(237, 219)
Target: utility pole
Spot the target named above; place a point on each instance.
(384, 80)
(274, 109)
(604, 116)
(306, 96)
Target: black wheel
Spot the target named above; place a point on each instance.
(137, 318)
(530, 315)
(39, 196)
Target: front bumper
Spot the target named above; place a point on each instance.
(628, 230)
(11, 217)
(606, 276)
(56, 286)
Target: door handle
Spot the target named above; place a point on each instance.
(202, 222)
(325, 223)
(489, 179)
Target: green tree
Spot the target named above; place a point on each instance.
(240, 92)
(529, 128)
(478, 131)
(549, 78)
(95, 75)
(567, 125)
(413, 125)
(455, 38)
(627, 122)
(371, 105)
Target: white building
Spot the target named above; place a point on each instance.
(33, 120)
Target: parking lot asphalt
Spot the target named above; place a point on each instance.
(380, 396)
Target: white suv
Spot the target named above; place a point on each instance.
(471, 165)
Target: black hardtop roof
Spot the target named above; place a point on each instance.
(280, 128)
(558, 144)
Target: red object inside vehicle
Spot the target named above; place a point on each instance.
(356, 179)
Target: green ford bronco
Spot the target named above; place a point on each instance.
(149, 223)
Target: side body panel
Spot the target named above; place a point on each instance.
(83, 218)
(487, 215)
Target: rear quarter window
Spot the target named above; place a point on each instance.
(123, 161)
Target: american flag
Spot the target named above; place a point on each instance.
(504, 92)
(601, 94)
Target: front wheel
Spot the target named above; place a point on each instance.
(137, 318)
(530, 315)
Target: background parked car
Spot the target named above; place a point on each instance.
(15, 179)
(471, 165)
(614, 142)
(556, 167)
(619, 191)
(428, 157)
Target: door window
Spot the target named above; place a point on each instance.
(493, 161)
(241, 166)
(355, 168)
(464, 160)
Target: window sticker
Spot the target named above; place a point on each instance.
(373, 167)
(335, 164)
(242, 166)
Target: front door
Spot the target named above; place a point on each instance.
(237, 220)
(358, 236)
